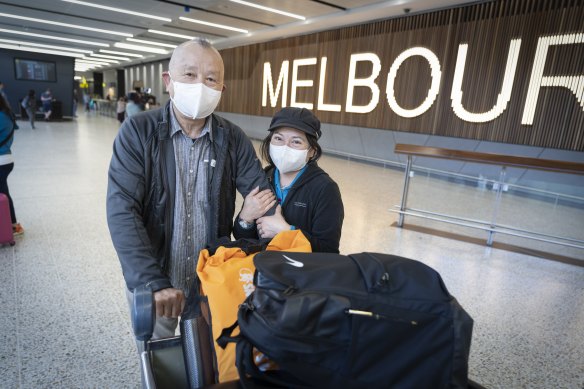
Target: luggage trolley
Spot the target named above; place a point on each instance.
(184, 361)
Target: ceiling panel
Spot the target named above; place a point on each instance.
(261, 24)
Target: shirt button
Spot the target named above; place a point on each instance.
(191, 170)
(188, 258)
(188, 215)
(188, 194)
(188, 238)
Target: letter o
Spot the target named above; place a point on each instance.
(436, 73)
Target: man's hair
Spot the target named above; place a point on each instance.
(203, 42)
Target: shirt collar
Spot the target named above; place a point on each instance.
(175, 125)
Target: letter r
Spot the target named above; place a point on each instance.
(574, 83)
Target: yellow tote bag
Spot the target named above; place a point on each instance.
(227, 279)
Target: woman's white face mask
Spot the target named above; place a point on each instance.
(288, 159)
(196, 101)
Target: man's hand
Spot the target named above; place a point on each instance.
(269, 226)
(169, 302)
(256, 204)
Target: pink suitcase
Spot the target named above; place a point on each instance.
(6, 236)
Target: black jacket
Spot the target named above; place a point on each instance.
(314, 206)
(141, 190)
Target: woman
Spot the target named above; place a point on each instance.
(7, 127)
(308, 199)
(29, 105)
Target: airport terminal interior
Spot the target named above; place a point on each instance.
(500, 80)
(65, 319)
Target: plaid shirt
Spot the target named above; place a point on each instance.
(190, 229)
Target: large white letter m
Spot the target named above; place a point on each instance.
(269, 83)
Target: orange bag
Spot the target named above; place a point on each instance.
(227, 279)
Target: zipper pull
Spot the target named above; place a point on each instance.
(384, 281)
(246, 306)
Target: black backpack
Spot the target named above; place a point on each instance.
(359, 321)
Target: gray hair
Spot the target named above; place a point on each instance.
(203, 42)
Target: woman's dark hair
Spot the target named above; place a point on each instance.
(312, 143)
(31, 93)
(4, 107)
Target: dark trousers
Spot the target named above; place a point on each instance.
(4, 172)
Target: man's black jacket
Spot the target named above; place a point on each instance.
(141, 190)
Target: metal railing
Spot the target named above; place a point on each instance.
(500, 185)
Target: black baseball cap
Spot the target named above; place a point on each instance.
(299, 118)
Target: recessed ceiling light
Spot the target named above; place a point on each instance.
(89, 65)
(125, 11)
(212, 25)
(277, 11)
(110, 56)
(65, 24)
(140, 48)
(89, 61)
(38, 50)
(171, 34)
(43, 45)
(121, 53)
(151, 42)
(58, 38)
(83, 67)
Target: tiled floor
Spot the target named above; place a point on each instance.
(64, 321)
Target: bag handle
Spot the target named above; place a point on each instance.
(374, 273)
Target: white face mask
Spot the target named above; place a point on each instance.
(288, 159)
(196, 101)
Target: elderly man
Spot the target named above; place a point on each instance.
(172, 181)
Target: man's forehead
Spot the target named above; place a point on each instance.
(194, 56)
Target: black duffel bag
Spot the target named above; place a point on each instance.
(360, 321)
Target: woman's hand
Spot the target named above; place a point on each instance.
(269, 226)
(256, 204)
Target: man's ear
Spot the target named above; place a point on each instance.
(224, 87)
(166, 79)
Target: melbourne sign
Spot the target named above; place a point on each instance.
(281, 81)
(504, 71)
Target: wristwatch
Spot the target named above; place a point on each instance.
(245, 225)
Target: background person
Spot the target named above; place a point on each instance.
(7, 127)
(30, 106)
(172, 181)
(75, 103)
(121, 109)
(309, 200)
(47, 100)
(133, 106)
(3, 93)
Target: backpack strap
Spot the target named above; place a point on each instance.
(246, 367)
(7, 138)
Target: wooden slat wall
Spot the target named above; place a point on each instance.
(487, 28)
